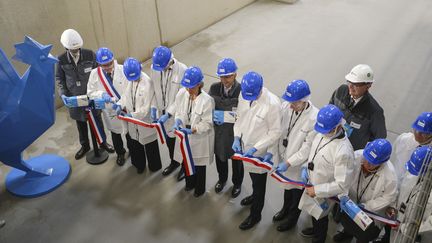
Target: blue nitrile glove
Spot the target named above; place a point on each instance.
(349, 207)
(128, 115)
(250, 152)
(267, 157)
(153, 114)
(177, 124)
(163, 118)
(218, 117)
(65, 100)
(304, 175)
(72, 101)
(186, 130)
(117, 109)
(282, 166)
(236, 146)
(106, 97)
(99, 104)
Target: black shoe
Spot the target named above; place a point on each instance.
(285, 226)
(219, 186)
(280, 215)
(181, 175)
(83, 150)
(235, 191)
(170, 168)
(108, 147)
(249, 222)
(196, 194)
(246, 201)
(120, 159)
(189, 188)
(307, 233)
(140, 171)
(341, 236)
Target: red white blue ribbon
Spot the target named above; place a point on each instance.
(160, 129)
(186, 152)
(256, 161)
(285, 180)
(96, 127)
(108, 84)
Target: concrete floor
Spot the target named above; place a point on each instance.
(319, 41)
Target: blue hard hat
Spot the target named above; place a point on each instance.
(378, 151)
(251, 85)
(423, 123)
(328, 118)
(161, 57)
(192, 77)
(132, 69)
(296, 90)
(104, 55)
(226, 67)
(420, 156)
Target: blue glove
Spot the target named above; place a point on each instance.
(115, 106)
(218, 117)
(267, 157)
(106, 97)
(236, 146)
(186, 130)
(177, 124)
(250, 152)
(349, 207)
(304, 175)
(72, 101)
(118, 109)
(65, 100)
(99, 104)
(282, 166)
(128, 115)
(153, 114)
(163, 118)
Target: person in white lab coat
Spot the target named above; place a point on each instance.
(374, 189)
(329, 170)
(194, 116)
(256, 132)
(110, 91)
(137, 102)
(298, 120)
(166, 74)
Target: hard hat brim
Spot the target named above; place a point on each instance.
(353, 79)
(322, 130)
(249, 97)
(225, 74)
(420, 129)
(159, 69)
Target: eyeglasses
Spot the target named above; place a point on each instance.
(356, 84)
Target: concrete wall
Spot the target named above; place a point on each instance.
(128, 27)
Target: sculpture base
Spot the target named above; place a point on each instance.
(31, 184)
(93, 159)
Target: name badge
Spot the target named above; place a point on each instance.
(355, 125)
(78, 83)
(86, 70)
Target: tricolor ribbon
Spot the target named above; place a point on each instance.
(256, 161)
(160, 129)
(95, 126)
(108, 84)
(186, 152)
(283, 179)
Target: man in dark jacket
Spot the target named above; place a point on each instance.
(364, 116)
(72, 73)
(225, 95)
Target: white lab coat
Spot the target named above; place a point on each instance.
(201, 118)
(170, 80)
(259, 125)
(409, 182)
(95, 89)
(300, 140)
(332, 174)
(382, 190)
(142, 92)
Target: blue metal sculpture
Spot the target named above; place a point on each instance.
(26, 112)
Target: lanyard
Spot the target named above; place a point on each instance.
(295, 121)
(133, 95)
(318, 148)
(189, 109)
(164, 91)
(359, 197)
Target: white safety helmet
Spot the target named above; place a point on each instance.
(361, 73)
(71, 39)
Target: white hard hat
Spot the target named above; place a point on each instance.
(361, 73)
(71, 39)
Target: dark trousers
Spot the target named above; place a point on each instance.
(83, 131)
(171, 144)
(291, 202)
(197, 180)
(258, 193)
(118, 143)
(320, 227)
(237, 168)
(140, 154)
(350, 227)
